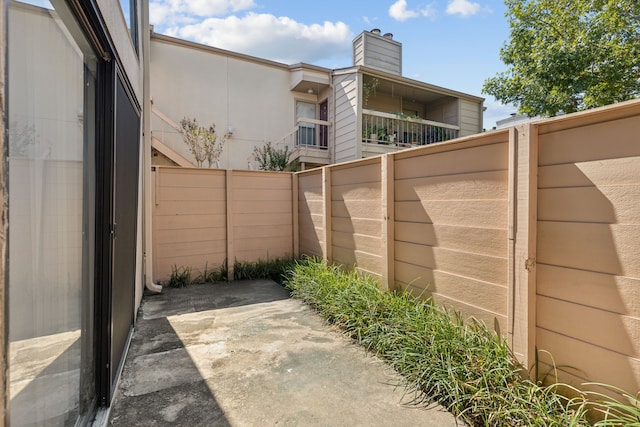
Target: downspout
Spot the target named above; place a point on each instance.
(146, 162)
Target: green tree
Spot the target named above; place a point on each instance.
(569, 55)
(270, 158)
(202, 141)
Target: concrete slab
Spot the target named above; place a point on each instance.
(245, 354)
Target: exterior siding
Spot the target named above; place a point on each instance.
(470, 117)
(346, 107)
(378, 52)
(446, 112)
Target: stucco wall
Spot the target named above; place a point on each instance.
(251, 96)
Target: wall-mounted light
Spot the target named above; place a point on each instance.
(229, 133)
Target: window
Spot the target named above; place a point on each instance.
(130, 12)
(306, 130)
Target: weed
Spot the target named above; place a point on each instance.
(274, 269)
(212, 275)
(180, 277)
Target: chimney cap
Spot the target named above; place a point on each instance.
(388, 36)
(376, 31)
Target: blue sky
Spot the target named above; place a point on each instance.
(449, 43)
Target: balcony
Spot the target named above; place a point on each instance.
(387, 132)
(309, 142)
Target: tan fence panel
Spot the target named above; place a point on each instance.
(262, 215)
(356, 219)
(310, 213)
(451, 216)
(588, 248)
(461, 221)
(189, 219)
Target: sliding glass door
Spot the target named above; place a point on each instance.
(52, 120)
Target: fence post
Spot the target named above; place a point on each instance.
(294, 213)
(229, 208)
(388, 201)
(326, 195)
(523, 190)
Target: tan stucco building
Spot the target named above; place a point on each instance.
(324, 116)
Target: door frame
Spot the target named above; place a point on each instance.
(107, 374)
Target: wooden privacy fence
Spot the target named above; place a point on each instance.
(535, 229)
(202, 217)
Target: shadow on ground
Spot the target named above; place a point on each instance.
(244, 354)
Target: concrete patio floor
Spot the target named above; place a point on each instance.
(245, 354)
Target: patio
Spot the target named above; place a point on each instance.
(245, 354)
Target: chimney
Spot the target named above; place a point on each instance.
(381, 52)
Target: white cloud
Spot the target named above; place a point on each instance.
(463, 7)
(166, 13)
(428, 12)
(267, 36)
(399, 11)
(216, 7)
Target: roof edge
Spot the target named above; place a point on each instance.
(199, 46)
(407, 80)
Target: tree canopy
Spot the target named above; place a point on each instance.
(569, 55)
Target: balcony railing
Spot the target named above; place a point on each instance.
(313, 133)
(403, 131)
(308, 142)
(309, 133)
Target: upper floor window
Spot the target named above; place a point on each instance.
(130, 12)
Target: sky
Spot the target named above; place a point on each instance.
(449, 43)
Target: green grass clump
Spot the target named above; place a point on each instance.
(461, 365)
(180, 277)
(624, 411)
(274, 269)
(208, 275)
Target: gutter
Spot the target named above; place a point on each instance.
(147, 242)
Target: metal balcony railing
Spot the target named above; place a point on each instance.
(403, 131)
(312, 133)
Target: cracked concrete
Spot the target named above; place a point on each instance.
(245, 354)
